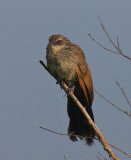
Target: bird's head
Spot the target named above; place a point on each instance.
(57, 42)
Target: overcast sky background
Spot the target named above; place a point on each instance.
(29, 97)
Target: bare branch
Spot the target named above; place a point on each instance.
(98, 132)
(102, 45)
(63, 134)
(118, 45)
(112, 103)
(98, 157)
(102, 156)
(120, 150)
(119, 51)
(102, 25)
(123, 92)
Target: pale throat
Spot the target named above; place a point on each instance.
(56, 49)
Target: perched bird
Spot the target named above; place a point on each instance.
(67, 62)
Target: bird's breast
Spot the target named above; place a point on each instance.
(61, 66)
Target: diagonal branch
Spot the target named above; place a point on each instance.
(129, 115)
(98, 132)
(102, 156)
(102, 25)
(120, 150)
(102, 45)
(63, 134)
(123, 92)
(98, 157)
(117, 47)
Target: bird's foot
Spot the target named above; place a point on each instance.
(60, 81)
(70, 90)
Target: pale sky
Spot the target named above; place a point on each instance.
(29, 97)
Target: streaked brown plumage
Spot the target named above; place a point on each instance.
(67, 62)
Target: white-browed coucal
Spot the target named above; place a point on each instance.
(67, 62)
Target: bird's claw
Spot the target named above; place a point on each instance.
(60, 81)
(70, 90)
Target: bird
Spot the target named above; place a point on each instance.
(66, 61)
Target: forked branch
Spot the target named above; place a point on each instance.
(117, 47)
(63, 134)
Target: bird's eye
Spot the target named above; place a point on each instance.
(59, 42)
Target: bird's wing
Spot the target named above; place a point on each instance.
(85, 80)
(84, 74)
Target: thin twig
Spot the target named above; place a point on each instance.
(123, 92)
(112, 103)
(97, 131)
(102, 156)
(119, 51)
(118, 45)
(102, 25)
(120, 150)
(98, 157)
(102, 45)
(63, 134)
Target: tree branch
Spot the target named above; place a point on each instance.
(63, 134)
(120, 150)
(102, 45)
(98, 157)
(98, 132)
(123, 92)
(129, 115)
(102, 25)
(117, 47)
(102, 156)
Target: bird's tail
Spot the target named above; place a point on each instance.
(79, 125)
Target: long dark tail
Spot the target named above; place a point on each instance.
(78, 124)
